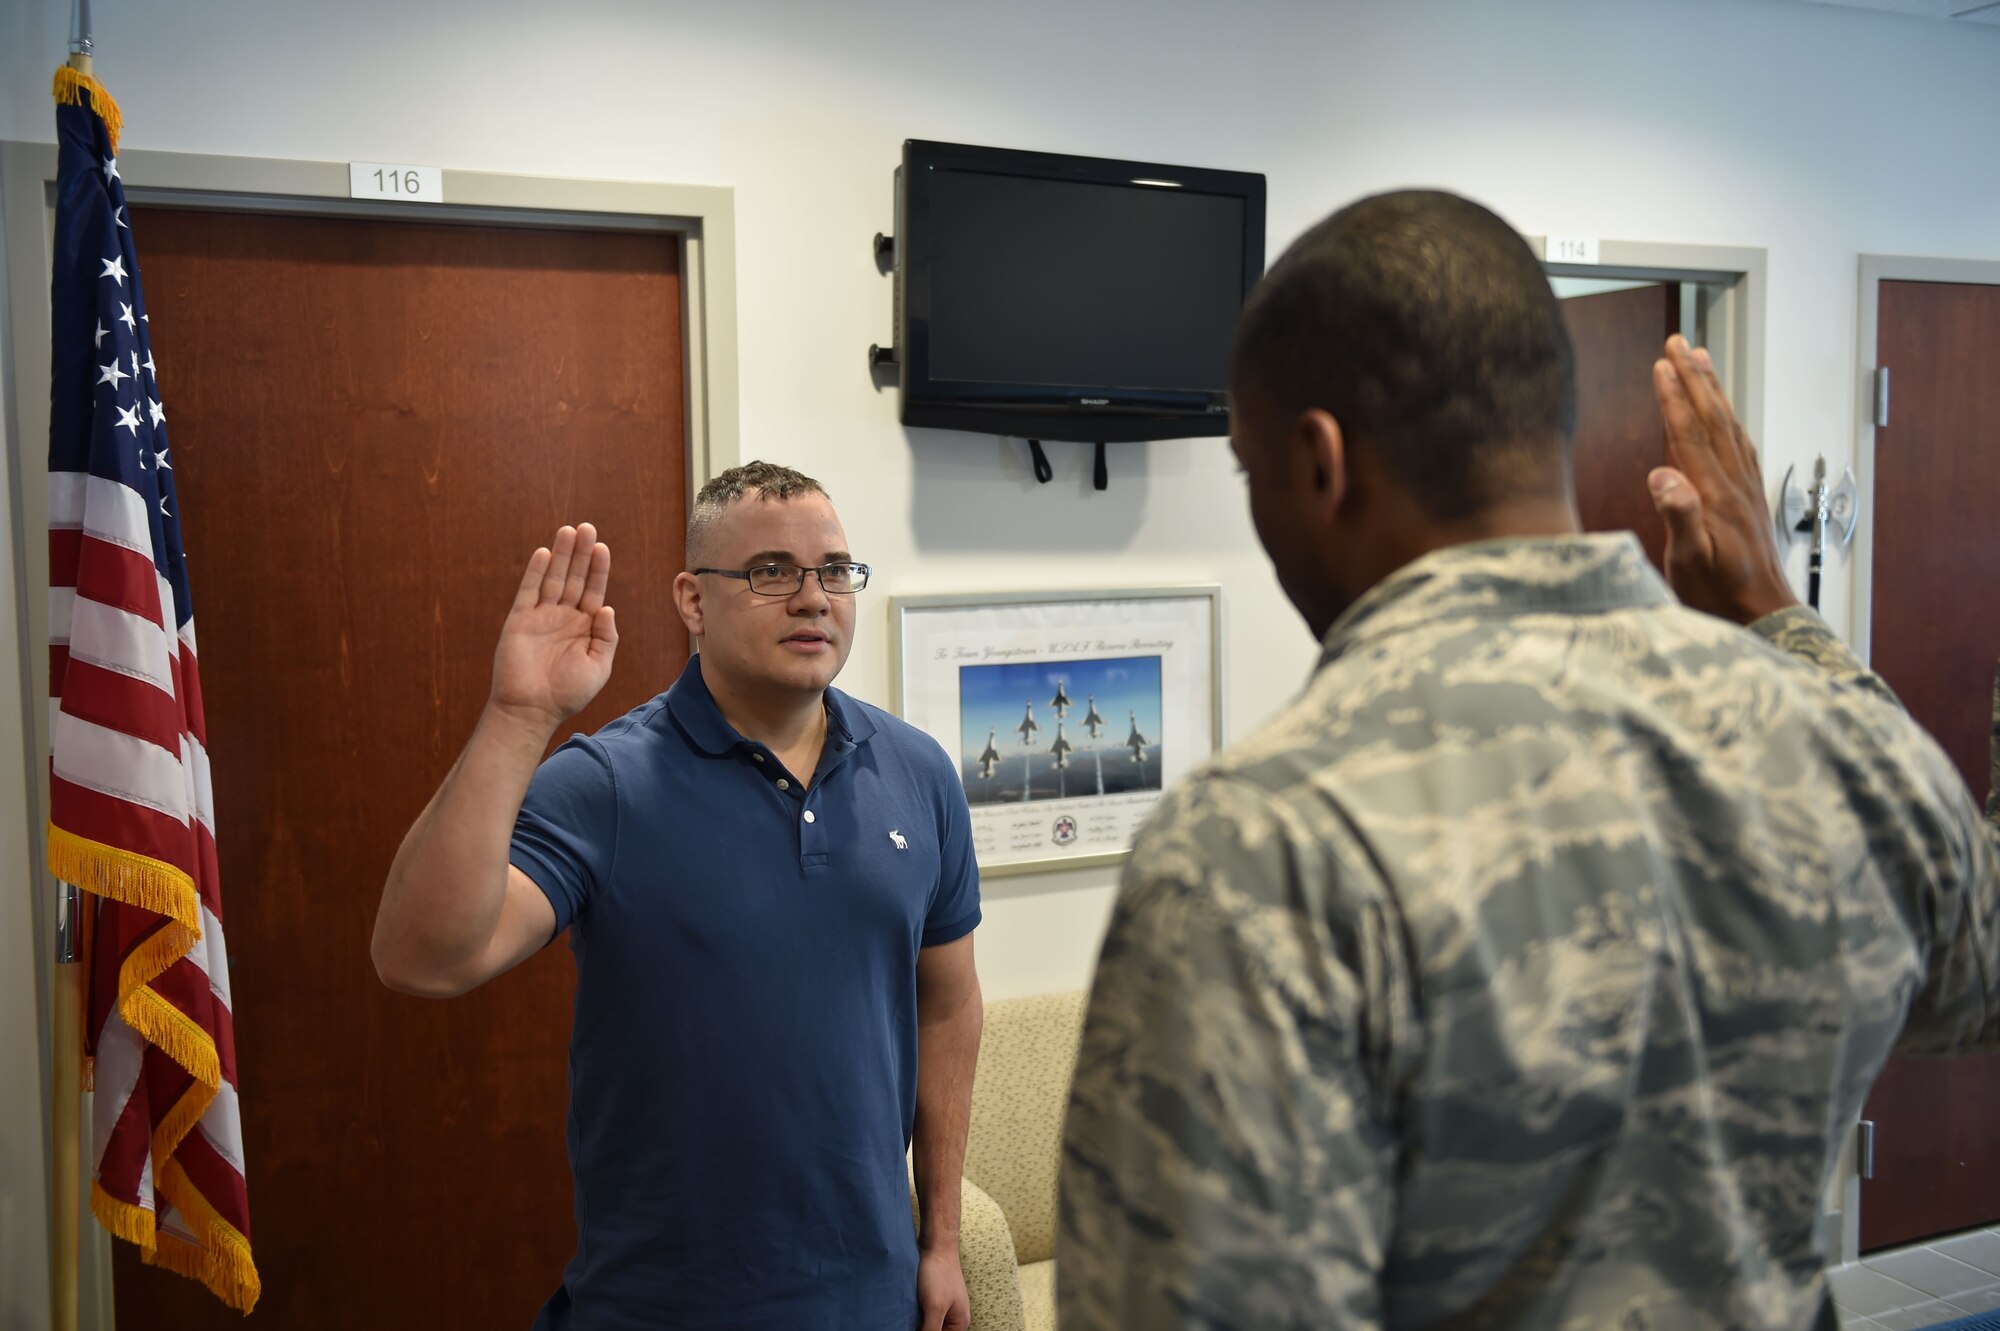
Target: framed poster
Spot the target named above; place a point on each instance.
(1066, 713)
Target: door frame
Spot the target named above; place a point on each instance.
(702, 220)
(1735, 318)
(1875, 270)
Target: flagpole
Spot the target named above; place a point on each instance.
(80, 43)
(66, 1173)
(66, 1047)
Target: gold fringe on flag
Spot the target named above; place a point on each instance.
(136, 880)
(124, 1220)
(73, 86)
(224, 1265)
(223, 1262)
(163, 890)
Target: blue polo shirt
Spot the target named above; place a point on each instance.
(743, 1065)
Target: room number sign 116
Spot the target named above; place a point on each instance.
(383, 180)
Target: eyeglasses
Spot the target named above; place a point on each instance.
(841, 578)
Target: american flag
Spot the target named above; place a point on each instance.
(130, 816)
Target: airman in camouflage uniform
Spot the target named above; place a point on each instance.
(1529, 969)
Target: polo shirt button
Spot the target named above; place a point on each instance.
(756, 757)
(784, 784)
(809, 815)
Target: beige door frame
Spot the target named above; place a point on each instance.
(1734, 315)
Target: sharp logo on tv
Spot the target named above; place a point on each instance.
(1095, 401)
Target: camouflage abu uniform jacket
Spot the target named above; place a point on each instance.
(1525, 972)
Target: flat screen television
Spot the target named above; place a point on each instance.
(1053, 297)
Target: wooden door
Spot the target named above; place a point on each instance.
(1935, 637)
(1617, 335)
(373, 423)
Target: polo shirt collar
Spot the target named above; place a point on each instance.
(694, 708)
(847, 720)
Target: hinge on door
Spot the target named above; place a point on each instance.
(1864, 1148)
(1881, 395)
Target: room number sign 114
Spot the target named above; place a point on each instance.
(382, 180)
(1572, 249)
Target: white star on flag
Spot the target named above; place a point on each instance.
(163, 507)
(135, 364)
(114, 268)
(149, 362)
(161, 458)
(119, 217)
(126, 317)
(111, 170)
(111, 374)
(159, 413)
(101, 331)
(129, 418)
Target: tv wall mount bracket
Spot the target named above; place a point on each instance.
(884, 247)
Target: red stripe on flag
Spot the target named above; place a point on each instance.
(208, 877)
(121, 1166)
(119, 702)
(114, 822)
(65, 551)
(216, 1180)
(58, 668)
(167, 1084)
(187, 987)
(120, 930)
(187, 687)
(115, 576)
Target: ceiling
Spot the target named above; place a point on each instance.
(1964, 11)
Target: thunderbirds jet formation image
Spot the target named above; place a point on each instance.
(1033, 768)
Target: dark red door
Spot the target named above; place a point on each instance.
(1617, 336)
(373, 423)
(1935, 637)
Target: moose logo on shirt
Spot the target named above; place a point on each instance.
(902, 842)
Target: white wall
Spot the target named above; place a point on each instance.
(24, 1142)
(1818, 133)
(1815, 132)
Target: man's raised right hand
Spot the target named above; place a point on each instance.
(1722, 549)
(555, 649)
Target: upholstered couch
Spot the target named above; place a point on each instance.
(986, 1255)
(1007, 1218)
(1011, 1152)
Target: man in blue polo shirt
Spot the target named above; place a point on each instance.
(770, 891)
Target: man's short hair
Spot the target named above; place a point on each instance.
(768, 480)
(1426, 327)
